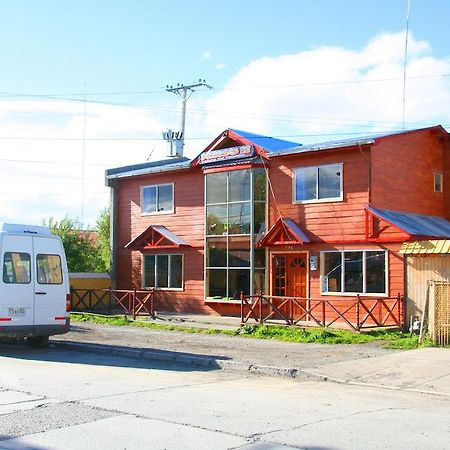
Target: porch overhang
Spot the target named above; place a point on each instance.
(431, 247)
(409, 226)
(283, 232)
(156, 237)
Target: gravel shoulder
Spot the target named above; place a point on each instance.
(243, 350)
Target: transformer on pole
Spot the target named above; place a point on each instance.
(176, 139)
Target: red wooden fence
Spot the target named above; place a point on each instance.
(357, 313)
(134, 302)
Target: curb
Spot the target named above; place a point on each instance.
(224, 364)
(321, 377)
(192, 360)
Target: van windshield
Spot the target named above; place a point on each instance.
(49, 269)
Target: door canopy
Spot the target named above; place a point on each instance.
(156, 237)
(284, 232)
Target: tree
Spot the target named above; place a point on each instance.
(81, 251)
(103, 240)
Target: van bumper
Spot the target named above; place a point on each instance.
(34, 330)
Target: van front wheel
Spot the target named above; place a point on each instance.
(38, 341)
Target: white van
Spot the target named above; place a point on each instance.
(34, 287)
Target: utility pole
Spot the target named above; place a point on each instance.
(185, 92)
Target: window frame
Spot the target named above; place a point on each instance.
(169, 265)
(441, 181)
(153, 213)
(317, 200)
(353, 294)
(13, 283)
(60, 267)
(227, 236)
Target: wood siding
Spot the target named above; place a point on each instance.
(402, 173)
(187, 222)
(395, 266)
(323, 221)
(395, 174)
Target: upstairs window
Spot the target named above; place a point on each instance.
(438, 182)
(318, 183)
(157, 199)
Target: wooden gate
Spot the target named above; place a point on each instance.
(421, 270)
(440, 313)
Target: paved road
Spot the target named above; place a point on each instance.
(56, 399)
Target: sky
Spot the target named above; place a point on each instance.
(83, 83)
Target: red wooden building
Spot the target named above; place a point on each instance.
(253, 213)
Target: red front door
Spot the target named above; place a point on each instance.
(289, 271)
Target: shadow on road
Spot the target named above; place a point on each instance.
(112, 355)
(17, 444)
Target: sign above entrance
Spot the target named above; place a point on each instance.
(225, 154)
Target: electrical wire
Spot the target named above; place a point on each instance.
(247, 87)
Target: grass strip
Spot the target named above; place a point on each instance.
(386, 338)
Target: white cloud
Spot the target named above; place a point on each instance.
(290, 95)
(42, 152)
(206, 55)
(294, 94)
(220, 66)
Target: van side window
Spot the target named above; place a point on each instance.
(49, 269)
(16, 268)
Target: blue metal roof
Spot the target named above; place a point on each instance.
(415, 224)
(348, 142)
(148, 167)
(269, 143)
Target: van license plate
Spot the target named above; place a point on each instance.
(16, 311)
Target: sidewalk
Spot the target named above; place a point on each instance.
(424, 370)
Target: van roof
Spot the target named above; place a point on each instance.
(15, 228)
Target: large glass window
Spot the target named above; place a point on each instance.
(359, 272)
(157, 199)
(318, 183)
(235, 218)
(16, 268)
(163, 271)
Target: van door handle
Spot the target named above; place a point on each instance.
(41, 293)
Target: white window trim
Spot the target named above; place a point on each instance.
(354, 294)
(318, 200)
(155, 213)
(169, 272)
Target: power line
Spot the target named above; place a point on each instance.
(146, 139)
(56, 163)
(69, 97)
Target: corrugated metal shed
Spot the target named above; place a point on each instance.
(415, 224)
(432, 247)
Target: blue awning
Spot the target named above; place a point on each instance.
(415, 224)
